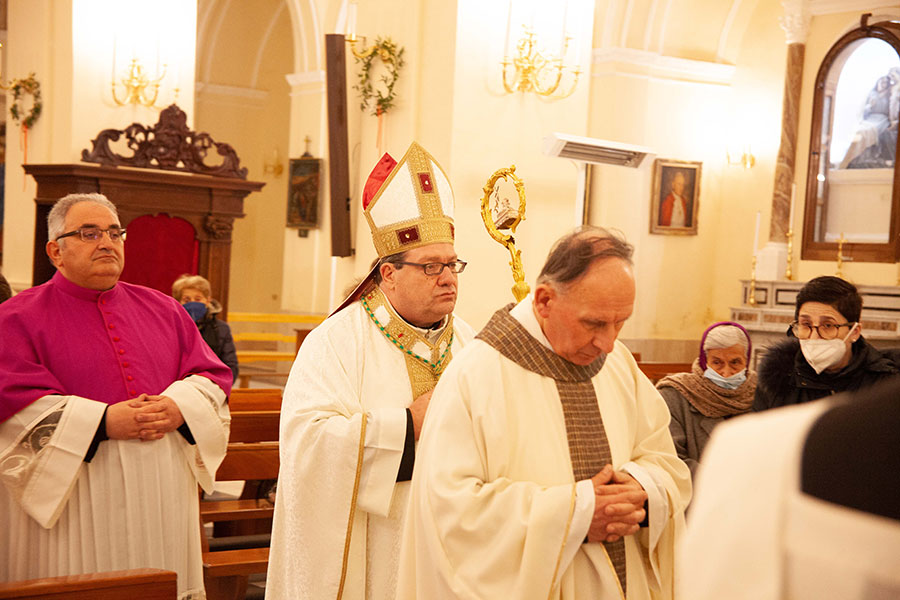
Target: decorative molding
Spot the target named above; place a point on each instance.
(305, 78)
(726, 28)
(242, 95)
(169, 145)
(308, 82)
(219, 227)
(795, 21)
(830, 7)
(666, 67)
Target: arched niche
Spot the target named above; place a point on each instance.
(853, 183)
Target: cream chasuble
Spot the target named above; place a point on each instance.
(496, 516)
(339, 509)
(790, 546)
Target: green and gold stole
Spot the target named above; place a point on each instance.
(425, 361)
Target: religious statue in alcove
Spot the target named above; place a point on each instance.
(874, 144)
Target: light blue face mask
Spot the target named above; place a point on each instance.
(729, 383)
(197, 310)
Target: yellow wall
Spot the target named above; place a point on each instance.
(243, 99)
(66, 43)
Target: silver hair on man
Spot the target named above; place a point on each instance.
(56, 220)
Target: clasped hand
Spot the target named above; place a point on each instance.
(147, 417)
(618, 505)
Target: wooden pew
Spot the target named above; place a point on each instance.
(657, 370)
(243, 399)
(244, 377)
(146, 584)
(226, 572)
(254, 426)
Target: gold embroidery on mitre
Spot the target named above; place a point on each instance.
(431, 225)
(424, 361)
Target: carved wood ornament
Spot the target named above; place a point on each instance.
(169, 145)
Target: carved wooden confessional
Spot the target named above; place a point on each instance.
(177, 222)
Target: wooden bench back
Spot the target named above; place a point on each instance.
(146, 584)
(242, 399)
(257, 460)
(254, 426)
(657, 370)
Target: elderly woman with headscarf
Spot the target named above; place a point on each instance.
(719, 386)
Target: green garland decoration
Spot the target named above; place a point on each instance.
(29, 85)
(392, 57)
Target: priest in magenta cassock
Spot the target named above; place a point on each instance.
(356, 397)
(546, 468)
(112, 410)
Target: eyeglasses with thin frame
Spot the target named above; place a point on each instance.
(92, 233)
(826, 331)
(436, 268)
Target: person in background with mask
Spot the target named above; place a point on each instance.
(194, 291)
(719, 386)
(825, 352)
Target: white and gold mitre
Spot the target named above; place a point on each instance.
(411, 203)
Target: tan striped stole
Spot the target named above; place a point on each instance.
(588, 444)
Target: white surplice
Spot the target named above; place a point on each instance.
(754, 535)
(133, 506)
(346, 399)
(494, 509)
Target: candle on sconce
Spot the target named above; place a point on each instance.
(793, 196)
(351, 20)
(508, 27)
(562, 39)
(756, 233)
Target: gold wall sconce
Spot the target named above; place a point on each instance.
(273, 165)
(530, 71)
(351, 37)
(744, 159)
(139, 87)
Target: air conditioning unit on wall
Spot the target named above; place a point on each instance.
(593, 150)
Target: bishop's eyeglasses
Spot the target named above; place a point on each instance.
(92, 233)
(436, 268)
(826, 331)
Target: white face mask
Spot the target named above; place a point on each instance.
(729, 383)
(821, 354)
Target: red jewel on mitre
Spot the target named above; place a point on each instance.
(377, 178)
(425, 182)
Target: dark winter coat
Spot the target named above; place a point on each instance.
(786, 378)
(217, 335)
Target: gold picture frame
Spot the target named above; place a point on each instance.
(675, 201)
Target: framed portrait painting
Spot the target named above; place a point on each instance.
(303, 193)
(676, 197)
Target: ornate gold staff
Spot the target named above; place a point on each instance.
(509, 219)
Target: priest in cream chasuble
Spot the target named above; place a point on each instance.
(546, 467)
(356, 397)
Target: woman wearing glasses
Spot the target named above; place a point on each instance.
(825, 352)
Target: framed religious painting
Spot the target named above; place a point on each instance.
(675, 199)
(303, 193)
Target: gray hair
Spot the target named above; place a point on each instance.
(574, 253)
(725, 336)
(56, 220)
(187, 281)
